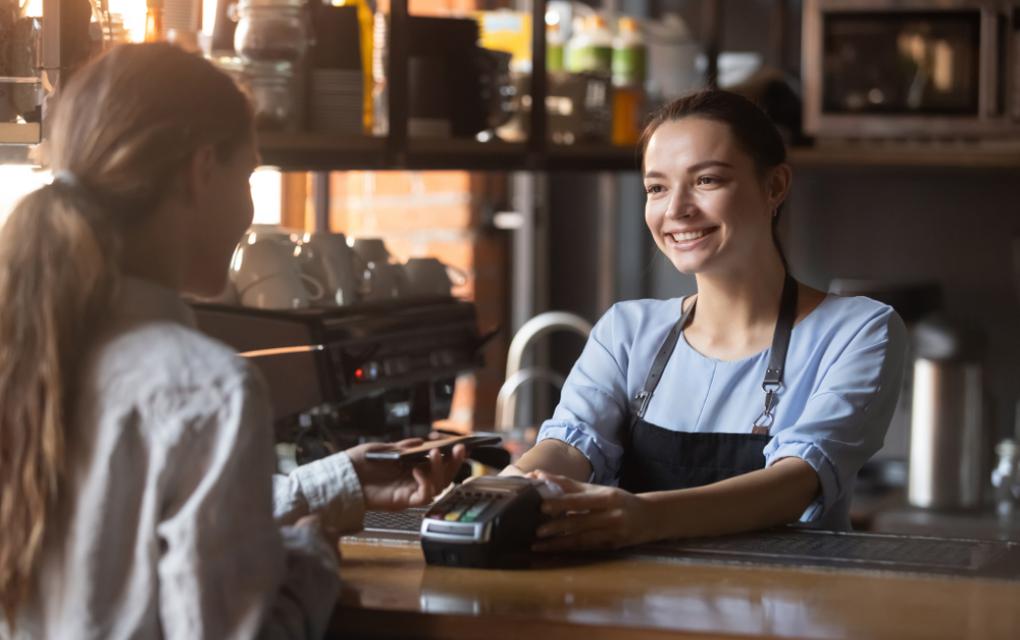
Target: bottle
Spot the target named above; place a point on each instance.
(590, 49)
(366, 30)
(630, 55)
(629, 65)
(154, 31)
(1006, 478)
(380, 94)
(553, 48)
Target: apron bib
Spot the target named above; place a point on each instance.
(659, 459)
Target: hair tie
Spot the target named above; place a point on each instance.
(67, 178)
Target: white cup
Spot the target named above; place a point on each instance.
(334, 264)
(267, 275)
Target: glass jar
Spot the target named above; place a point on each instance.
(271, 86)
(271, 30)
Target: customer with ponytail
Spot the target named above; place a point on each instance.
(137, 495)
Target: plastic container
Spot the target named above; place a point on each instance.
(672, 58)
(590, 49)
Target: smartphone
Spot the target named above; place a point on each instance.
(420, 453)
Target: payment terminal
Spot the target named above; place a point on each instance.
(487, 523)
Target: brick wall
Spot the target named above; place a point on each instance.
(439, 214)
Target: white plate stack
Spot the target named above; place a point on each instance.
(336, 101)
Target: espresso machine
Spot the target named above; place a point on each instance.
(340, 376)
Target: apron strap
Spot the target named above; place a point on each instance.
(781, 335)
(661, 359)
(777, 357)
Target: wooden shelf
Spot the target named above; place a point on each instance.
(963, 155)
(588, 157)
(428, 153)
(320, 152)
(20, 133)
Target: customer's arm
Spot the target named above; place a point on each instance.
(340, 487)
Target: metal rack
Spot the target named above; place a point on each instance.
(314, 152)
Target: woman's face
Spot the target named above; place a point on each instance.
(707, 207)
(224, 210)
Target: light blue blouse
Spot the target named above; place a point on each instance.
(843, 375)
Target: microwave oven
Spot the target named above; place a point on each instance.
(928, 69)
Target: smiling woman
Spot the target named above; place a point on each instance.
(756, 410)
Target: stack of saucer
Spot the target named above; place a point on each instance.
(336, 100)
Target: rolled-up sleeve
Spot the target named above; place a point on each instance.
(328, 487)
(593, 404)
(845, 419)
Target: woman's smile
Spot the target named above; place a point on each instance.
(687, 240)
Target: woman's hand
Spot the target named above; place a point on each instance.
(590, 516)
(391, 486)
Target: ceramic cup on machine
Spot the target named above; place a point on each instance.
(381, 278)
(430, 277)
(267, 272)
(334, 263)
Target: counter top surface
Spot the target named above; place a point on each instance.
(389, 591)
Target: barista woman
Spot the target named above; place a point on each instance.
(751, 404)
(137, 492)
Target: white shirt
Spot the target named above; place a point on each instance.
(170, 522)
(842, 377)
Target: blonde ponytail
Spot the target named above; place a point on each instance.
(56, 273)
(126, 125)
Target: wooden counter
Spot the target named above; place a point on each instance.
(389, 592)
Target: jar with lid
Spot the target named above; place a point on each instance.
(271, 30)
(271, 86)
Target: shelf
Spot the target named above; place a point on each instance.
(319, 152)
(589, 157)
(22, 133)
(904, 155)
(453, 153)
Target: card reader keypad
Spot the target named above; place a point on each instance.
(469, 508)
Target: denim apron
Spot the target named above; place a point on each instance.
(659, 459)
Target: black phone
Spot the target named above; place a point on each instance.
(420, 453)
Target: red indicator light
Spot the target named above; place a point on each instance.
(359, 374)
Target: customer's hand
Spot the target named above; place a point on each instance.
(391, 486)
(589, 516)
(315, 526)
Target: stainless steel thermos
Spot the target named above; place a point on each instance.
(948, 442)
